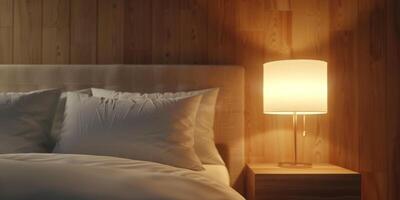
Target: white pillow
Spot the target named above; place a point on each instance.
(59, 115)
(147, 129)
(204, 144)
(25, 120)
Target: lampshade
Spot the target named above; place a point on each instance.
(295, 86)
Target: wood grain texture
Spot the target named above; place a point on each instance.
(343, 85)
(321, 168)
(6, 31)
(56, 32)
(222, 22)
(251, 15)
(268, 181)
(166, 20)
(278, 36)
(193, 31)
(310, 29)
(83, 31)
(393, 99)
(6, 13)
(27, 32)
(372, 86)
(110, 44)
(138, 32)
(279, 5)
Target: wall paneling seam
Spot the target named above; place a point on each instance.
(12, 31)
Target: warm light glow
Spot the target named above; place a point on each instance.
(295, 86)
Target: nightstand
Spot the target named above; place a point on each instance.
(322, 181)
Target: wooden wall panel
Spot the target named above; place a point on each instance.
(27, 46)
(83, 31)
(250, 36)
(253, 57)
(110, 31)
(310, 29)
(251, 15)
(138, 32)
(6, 31)
(166, 21)
(193, 31)
(357, 38)
(343, 85)
(393, 99)
(282, 5)
(56, 32)
(222, 20)
(372, 88)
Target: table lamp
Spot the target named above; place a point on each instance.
(295, 87)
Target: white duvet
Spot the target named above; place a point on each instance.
(84, 177)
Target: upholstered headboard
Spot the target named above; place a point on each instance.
(229, 122)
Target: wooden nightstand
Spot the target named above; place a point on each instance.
(322, 181)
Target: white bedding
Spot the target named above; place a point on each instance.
(84, 177)
(217, 172)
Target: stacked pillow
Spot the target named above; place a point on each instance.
(59, 116)
(204, 144)
(25, 120)
(170, 128)
(152, 130)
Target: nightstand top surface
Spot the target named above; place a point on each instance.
(273, 168)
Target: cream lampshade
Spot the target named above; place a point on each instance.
(295, 87)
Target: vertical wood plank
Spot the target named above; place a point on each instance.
(27, 32)
(372, 91)
(56, 32)
(250, 51)
(138, 32)
(393, 99)
(83, 31)
(166, 24)
(310, 29)
(110, 31)
(252, 56)
(281, 5)
(343, 81)
(251, 15)
(193, 31)
(6, 31)
(222, 22)
(278, 37)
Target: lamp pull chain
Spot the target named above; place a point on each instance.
(304, 126)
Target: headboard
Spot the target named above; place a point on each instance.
(229, 121)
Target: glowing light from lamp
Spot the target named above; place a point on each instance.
(295, 86)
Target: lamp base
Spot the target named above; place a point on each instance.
(294, 165)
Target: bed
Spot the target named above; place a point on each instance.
(72, 176)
